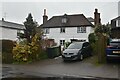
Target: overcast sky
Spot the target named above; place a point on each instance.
(18, 11)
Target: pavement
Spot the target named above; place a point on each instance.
(57, 68)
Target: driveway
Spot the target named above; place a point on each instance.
(57, 68)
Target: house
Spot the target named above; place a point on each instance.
(115, 27)
(10, 30)
(65, 28)
(91, 20)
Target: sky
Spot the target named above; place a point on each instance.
(18, 11)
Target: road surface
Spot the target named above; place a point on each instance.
(57, 68)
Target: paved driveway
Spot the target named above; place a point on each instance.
(56, 67)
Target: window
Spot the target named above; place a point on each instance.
(81, 29)
(47, 31)
(62, 42)
(62, 30)
(64, 20)
(20, 33)
(117, 23)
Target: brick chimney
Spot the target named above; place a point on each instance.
(97, 20)
(45, 17)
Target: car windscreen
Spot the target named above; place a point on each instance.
(115, 44)
(75, 46)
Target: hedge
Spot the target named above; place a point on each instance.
(7, 46)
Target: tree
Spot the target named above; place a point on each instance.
(91, 38)
(104, 29)
(99, 41)
(29, 49)
(102, 34)
(101, 46)
(30, 26)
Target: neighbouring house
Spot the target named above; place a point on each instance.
(115, 28)
(91, 20)
(10, 30)
(66, 27)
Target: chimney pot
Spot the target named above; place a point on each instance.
(45, 17)
(3, 19)
(96, 10)
(44, 11)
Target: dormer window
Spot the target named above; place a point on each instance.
(64, 20)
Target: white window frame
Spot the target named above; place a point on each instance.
(20, 31)
(62, 30)
(117, 23)
(81, 30)
(64, 20)
(62, 42)
(47, 30)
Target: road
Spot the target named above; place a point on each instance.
(57, 68)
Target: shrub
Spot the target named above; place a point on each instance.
(94, 48)
(7, 57)
(91, 38)
(27, 52)
(67, 44)
(7, 46)
(43, 55)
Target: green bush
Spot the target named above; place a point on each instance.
(91, 38)
(67, 44)
(94, 48)
(43, 55)
(7, 46)
(27, 52)
(7, 57)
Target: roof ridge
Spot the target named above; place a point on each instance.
(12, 22)
(69, 15)
(73, 20)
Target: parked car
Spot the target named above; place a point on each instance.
(113, 50)
(77, 51)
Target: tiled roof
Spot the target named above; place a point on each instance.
(118, 18)
(11, 25)
(90, 19)
(72, 21)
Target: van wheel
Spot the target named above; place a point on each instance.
(81, 57)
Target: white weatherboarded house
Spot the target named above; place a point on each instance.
(65, 28)
(9, 30)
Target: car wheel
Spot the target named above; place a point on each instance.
(81, 57)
